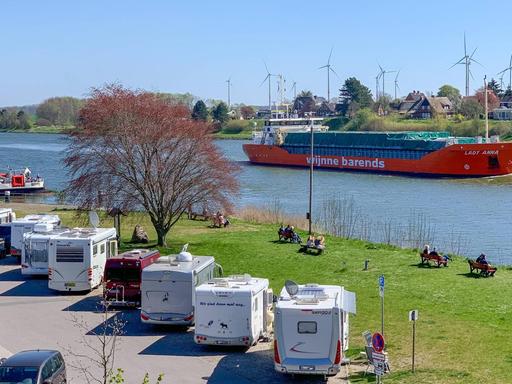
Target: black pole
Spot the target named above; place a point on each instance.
(311, 179)
(413, 342)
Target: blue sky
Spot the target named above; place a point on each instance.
(63, 48)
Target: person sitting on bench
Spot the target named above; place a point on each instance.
(426, 250)
(310, 243)
(319, 242)
(481, 259)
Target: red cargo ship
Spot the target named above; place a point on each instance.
(287, 142)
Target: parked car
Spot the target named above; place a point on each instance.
(34, 367)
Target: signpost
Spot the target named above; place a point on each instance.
(381, 294)
(378, 356)
(413, 316)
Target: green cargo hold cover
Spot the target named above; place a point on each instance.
(429, 141)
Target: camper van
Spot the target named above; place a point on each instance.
(167, 289)
(26, 224)
(121, 281)
(6, 215)
(311, 328)
(76, 258)
(233, 311)
(34, 253)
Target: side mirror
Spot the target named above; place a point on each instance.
(47, 381)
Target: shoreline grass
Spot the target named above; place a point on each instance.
(463, 326)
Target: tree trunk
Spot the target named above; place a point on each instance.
(161, 237)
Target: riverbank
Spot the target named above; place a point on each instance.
(463, 327)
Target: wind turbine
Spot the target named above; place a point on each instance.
(377, 78)
(228, 81)
(509, 69)
(383, 75)
(466, 60)
(268, 77)
(396, 82)
(328, 66)
(281, 87)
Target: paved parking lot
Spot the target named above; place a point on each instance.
(32, 316)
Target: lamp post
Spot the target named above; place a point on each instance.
(309, 215)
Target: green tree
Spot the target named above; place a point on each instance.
(220, 113)
(452, 93)
(200, 112)
(60, 110)
(496, 88)
(470, 108)
(382, 104)
(305, 93)
(356, 93)
(23, 122)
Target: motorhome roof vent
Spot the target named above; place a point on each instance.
(306, 300)
(43, 227)
(313, 290)
(224, 283)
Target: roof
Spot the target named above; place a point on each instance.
(440, 103)
(32, 358)
(311, 296)
(45, 235)
(37, 219)
(86, 233)
(135, 254)
(170, 263)
(235, 283)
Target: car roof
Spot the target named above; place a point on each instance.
(29, 358)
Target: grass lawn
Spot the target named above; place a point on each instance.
(464, 322)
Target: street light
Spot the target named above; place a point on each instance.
(309, 215)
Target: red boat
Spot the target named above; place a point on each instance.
(287, 142)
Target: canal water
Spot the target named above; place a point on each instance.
(468, 215)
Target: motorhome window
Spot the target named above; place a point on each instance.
(308, 327)
(256, 304)
(94, 250)
(70, 255)
(102, 248)
(131, 274)
(115, 274)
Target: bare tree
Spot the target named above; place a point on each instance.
(140, 151)
(100, 349)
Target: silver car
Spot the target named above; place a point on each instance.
(33, 367)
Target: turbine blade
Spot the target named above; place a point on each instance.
(471, 74)
(330, 54)
(396, 77)
(325, 66)
(333, 71)
(266, 67)
(263, 82)
(465, 54)
(461, 61)
(473, 60)
(473, 53)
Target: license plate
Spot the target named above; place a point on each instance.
(307, 367)
(222, 342)
(69, 284)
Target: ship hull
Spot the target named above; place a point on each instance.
(458, 160)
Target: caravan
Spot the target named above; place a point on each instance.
(34, 253)
(26, 224)
(167, 289)
(312, 328)
(6, 215)
(76, 258)
(233, 311)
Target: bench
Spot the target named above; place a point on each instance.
(437, 259)
(485, 269)
(306, 248)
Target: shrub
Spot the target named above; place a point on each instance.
(43, 122)
(336, 123)
(237, 126)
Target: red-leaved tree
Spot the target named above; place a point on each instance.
(136, 150)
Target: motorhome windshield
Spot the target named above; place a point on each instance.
(123, 274)
(17, 374)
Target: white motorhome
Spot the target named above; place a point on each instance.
(26, 224)
(76, 258)
(6, 215)
(34, 253)
(311, 328)
(168, 287)
(233, 311)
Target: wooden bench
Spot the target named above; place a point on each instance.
(306, 248)
(485, 269)
(437, 259)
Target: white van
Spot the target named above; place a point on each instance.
(76, 258)
(168, 288)
(26, 224)
(233, 311)
(311, 328)
(34, 253)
